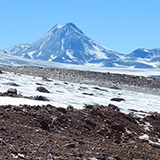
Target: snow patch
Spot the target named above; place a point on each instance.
(62, 44)
(94, 64)
(144, 137)
(70, 55)
(31, 54)
(39, 53)
(145, 50)
(53, 57)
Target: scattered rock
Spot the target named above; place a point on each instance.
(89, 106)
(119, 127)
(41, 98)
(90, 122)
(12, 84)
(89, 94)
(100, 89)
(57, 84)
(82, 88)
(40, 84)
(45, 125)
(12, 92)
(113, 107)
(70, 145)
(63, 110)
(70, 108)
(42, 89)
(114, 87)
(108, 121)
(117, 99)
(46, 79)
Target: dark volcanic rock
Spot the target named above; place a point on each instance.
(40, 84)
(63, 110)
(111, 106)
(88, 94)
(117, 99)
(90, 122)
(119, 127)
(45, 125)
(41, 98)
(42, 89)
(100, 89)
(12, 84)
(12, 92)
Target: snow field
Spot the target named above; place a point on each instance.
(63, 94)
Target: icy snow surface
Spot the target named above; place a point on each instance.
(63, 94)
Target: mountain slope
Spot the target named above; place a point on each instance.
(16, 49)
(145, 53)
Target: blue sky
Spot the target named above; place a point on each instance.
(120, 25)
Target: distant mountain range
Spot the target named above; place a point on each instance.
(68, 44)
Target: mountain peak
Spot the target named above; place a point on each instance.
(68, 26)
(68, 44)
(57, 26)
(72, 26)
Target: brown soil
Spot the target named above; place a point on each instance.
(95, 132)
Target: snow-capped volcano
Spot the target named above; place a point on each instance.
(68, 44)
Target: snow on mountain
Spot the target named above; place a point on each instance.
(68, 44)
(11, 60)
(16, 49)
(148, 57)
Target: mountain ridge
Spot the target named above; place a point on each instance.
(69, 44)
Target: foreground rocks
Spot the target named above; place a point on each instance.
(93, 133)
